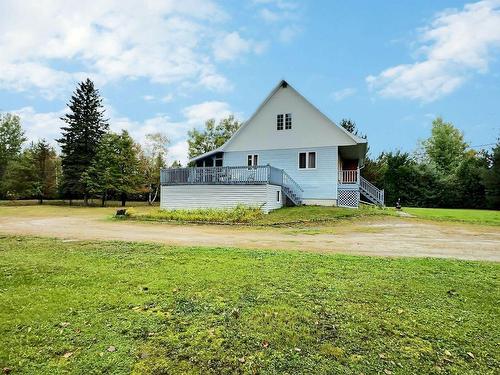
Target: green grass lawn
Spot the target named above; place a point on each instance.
(116, 308)
(462, 215)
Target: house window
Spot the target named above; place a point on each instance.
(218, 161)
(307, 160)
(253, 160)
(302, 160)
(288, 121)
(311, 160)
(278, 196)
(279, 122)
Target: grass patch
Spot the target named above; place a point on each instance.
(115, 307)
(239, 214)
(488, 217)
(253, 216)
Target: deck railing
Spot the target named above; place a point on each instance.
(233, 176)
(349, 176)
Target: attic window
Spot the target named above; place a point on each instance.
(288, 121)
(279, 122)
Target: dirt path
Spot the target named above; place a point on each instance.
(384, 237)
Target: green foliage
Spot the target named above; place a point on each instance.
(32, 173)
(80, 139)
(351, 127)
(115, 168)
(492, 178)
(11, 139)
(239, 214)
(152, 158)
(47, 168)
(19, 179)
(212, 137)
(446, 146)
(446, 175)
(171, 310)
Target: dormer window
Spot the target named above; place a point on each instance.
(284, 121)
(279, 122)
(288, 121)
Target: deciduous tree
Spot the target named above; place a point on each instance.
(213, 136)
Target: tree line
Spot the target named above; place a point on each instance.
(444, 171)
(94, 162)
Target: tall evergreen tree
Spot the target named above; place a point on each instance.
(81, 137)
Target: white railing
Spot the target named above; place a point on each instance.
(349, 176)
(233, 176)
(371, 191)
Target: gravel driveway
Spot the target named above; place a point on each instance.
(382, 237)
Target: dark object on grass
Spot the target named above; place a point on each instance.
(121, 212)
(398, 204)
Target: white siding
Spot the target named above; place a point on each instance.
(310, 128)
(318, 184)
(219, 196)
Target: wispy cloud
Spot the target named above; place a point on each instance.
(232, 46)
(456, 45)
(343, 94)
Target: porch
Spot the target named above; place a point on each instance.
(240, 175)
(351, 186)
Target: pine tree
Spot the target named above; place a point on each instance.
(80, 139)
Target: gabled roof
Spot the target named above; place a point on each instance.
(281, 84)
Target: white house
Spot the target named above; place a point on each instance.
(288, 152)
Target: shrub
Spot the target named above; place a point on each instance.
(239, 214)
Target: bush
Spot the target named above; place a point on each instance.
(239, 214)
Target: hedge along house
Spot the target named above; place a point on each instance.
(288, 152)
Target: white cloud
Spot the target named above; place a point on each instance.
(456, 45)
(199, 113)
(178, 151)
(48, 124)
(45, 125)
(342, 94)
(167, 98)
(232, 45)
(148, 98)
(43, 42)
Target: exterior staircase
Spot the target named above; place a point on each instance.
(371, 192)
(291, 189)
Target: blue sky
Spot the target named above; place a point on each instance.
(391, 66)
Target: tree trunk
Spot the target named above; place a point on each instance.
(85, 199)
(124, 199)
(156, 193)
(40, 199)
(103, 204)
(150, 202)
